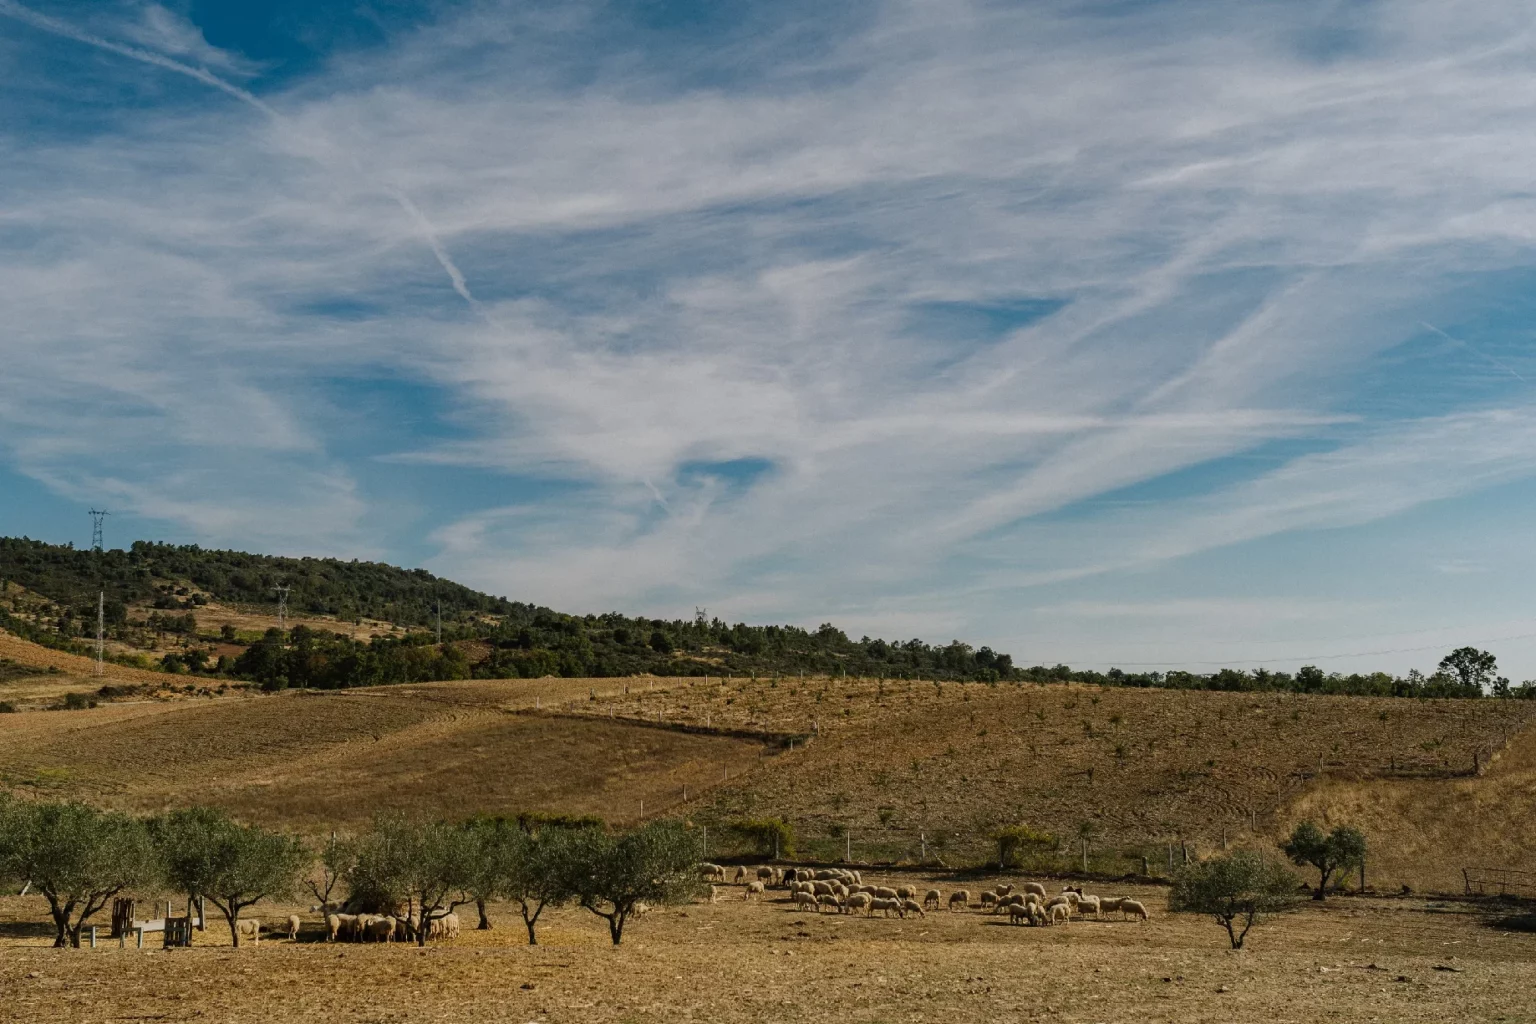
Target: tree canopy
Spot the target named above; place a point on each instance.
(1335, 852)
(1238, 890)
(207, 853)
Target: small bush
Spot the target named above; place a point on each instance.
(770, 836)
(1016, 842)
(7, 708)
(77, 701)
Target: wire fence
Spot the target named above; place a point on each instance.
(1499, 882)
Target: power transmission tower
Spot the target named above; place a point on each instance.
(101, 629)
(98, 520)
(282, 606)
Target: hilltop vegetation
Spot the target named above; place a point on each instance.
(366, 623)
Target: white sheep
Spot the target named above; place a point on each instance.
(1017, 899)
(1004, 890)
(250, 928)
(960, 896)
(859, 901)
(741, 875)
(381, 929)
(1133, 907)
(293, 926)
(1088, 903)
(912, 907)
(1034, 887)
(836, 902)
(885, 905)
(1018, 913)
(1059, 913)
(933, 898)
(805, 899)
(752, 889)
(906, 892)
(765, 874)
(822, 887)
(885, 892)
(988, 898)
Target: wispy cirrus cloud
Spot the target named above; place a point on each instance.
(1163, 238)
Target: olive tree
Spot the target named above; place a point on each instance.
(1237, 889)
(206, 853)
(429, 866)
(1337, 851)
(330, 869)
(611, 875)
(540, 873)
(76, 857)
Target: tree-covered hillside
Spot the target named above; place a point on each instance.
(484, 636)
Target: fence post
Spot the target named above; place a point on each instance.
(1466, 880)
(141, 937)
(1362, 874)
(93, 936)
(848, 847)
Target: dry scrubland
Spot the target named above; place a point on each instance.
(1351, 960)
(952, 762)
(1145, 765)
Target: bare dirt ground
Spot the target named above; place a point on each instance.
(1349, 960)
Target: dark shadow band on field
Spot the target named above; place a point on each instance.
(773, 740)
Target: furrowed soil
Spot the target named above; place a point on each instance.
(1348, 960)
(906, 767)
(313, 761)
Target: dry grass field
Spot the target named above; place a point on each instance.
(896, 763)
(314, 761)
(728, 962)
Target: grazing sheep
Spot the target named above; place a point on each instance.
(1036, 913)
(933, 899)
(1088, 903)
(250, 928)
(1018, 913)
(912, 907)
(1017, 899)
(988, 898)
(332, 927)
(856, 876)
(885, 892)
(381, 929)
(861, 887)
(752, 889)
(445, 927)
(1073, 897)
(741, 875)
(822, 888)
(293, 926)
(711, 872)
(1133, 907)
(906, 892)
(765, 874)
(805, 899)
(1004, 890)
(960, 896)
(859, 901)
(1060, 913)
(885, 905)
(1034, 887)
(829, 901)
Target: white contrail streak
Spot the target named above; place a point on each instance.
(60, 28)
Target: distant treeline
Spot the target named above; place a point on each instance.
(494, 638)
(1454, 678)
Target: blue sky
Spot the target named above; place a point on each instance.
(1149, 334)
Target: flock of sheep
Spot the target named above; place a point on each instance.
(360, 927)
(845, 891)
